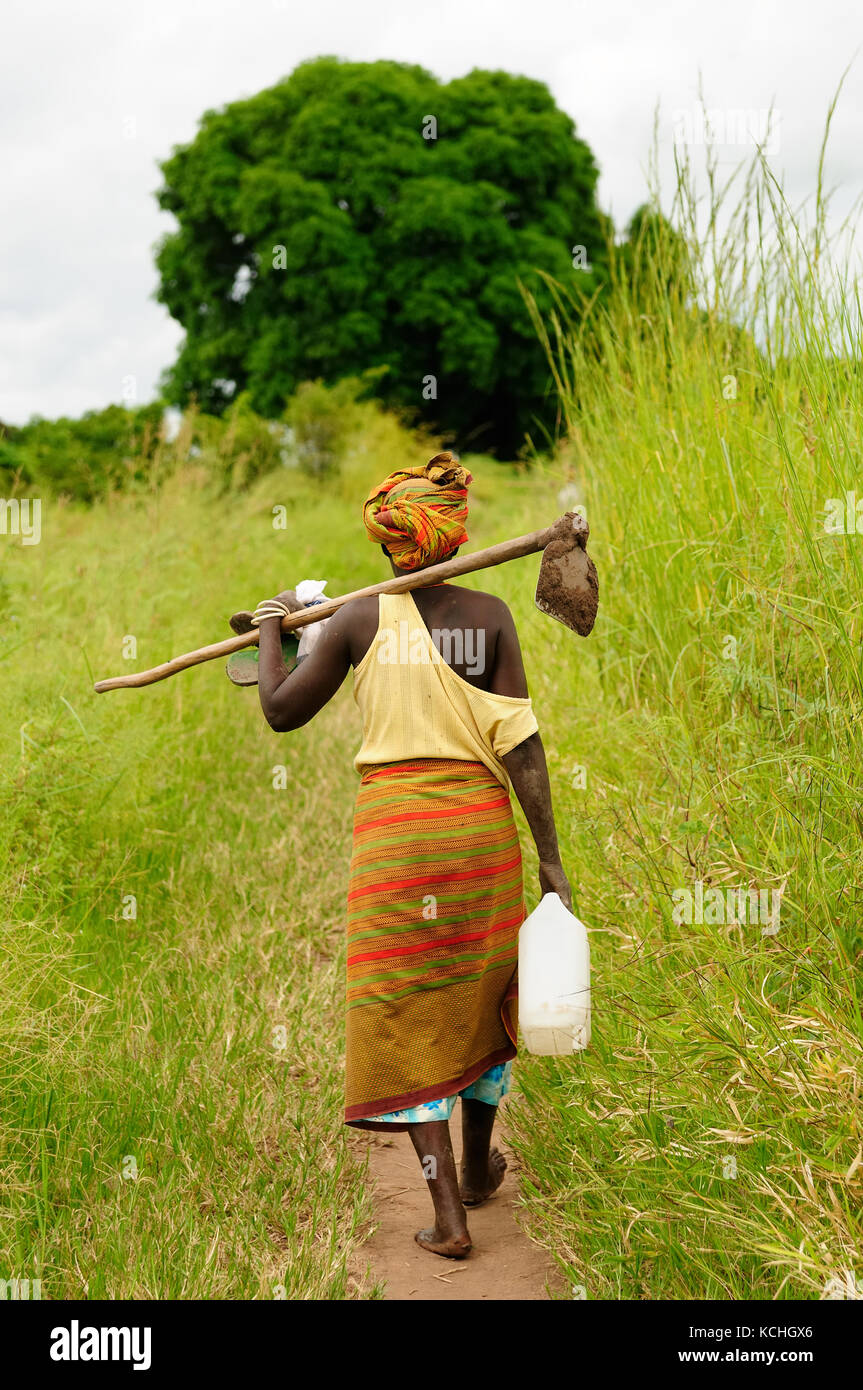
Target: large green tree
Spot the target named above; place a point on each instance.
(362, 215)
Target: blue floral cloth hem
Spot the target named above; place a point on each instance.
(491, 1087)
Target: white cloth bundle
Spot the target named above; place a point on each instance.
(310, 592)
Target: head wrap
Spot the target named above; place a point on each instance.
(419, 513)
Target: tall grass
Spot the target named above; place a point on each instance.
(708, 730)
(709, 1143)
(171, 997)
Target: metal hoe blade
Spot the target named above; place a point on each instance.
(568, 586)
(242, 666)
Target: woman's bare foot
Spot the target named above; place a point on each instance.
(473, 1194)
(449, 1235)
(454, 1247)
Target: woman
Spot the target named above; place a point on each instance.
(435, 899)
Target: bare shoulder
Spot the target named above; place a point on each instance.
(493, 609)
(355, 625)
(359, 610)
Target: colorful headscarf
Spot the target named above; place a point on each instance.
(419, 513)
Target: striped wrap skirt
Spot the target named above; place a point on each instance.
(434, 908)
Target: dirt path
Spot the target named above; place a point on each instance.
(503, 1264)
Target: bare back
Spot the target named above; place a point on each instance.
(473, 631)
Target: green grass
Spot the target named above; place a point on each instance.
(717, 710)
(154, 1037)
(676, 755)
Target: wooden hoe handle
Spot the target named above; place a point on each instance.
(435, 574)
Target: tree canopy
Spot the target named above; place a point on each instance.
(366, 215)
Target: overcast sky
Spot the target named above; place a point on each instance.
(94, 92)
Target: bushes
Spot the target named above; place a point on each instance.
(85, 458)
(116, 449)
(232, 451)
(321, 419)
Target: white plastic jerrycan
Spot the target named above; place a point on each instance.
(553, 980)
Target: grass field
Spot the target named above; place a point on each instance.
(170, 1082)
(709, 1144)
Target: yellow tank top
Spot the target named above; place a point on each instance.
(414, 706)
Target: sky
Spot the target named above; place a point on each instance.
(94, 93)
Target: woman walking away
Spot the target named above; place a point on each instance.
(435, 899)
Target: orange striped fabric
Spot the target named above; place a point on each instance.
(419, 514)
(434, 907)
